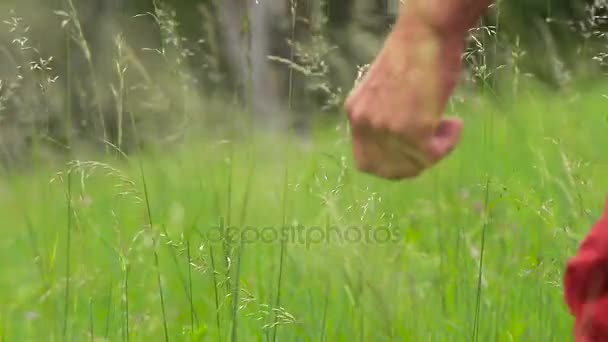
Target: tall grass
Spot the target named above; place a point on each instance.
(113, 250)
(68, 268)
(432, 278)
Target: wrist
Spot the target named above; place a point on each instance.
(446, 17)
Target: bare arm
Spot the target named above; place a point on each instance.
(447, 15)
(396, 110)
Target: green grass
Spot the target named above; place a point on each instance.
(543, 156)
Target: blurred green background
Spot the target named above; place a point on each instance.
(101, 69)
(129, 129)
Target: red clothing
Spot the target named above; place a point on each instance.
(586, 285)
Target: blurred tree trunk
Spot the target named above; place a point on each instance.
(247, 26)
(266, 90)
(238, 37)
(369, 23)
(254, 30)
(91, 91)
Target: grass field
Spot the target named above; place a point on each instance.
(130, 249)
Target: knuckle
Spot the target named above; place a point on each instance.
(356, 114)
(350, 104)
(359, 108)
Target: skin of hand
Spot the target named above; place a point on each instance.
(396, 109)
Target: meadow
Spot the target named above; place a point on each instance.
(279, 238)
(225, 233)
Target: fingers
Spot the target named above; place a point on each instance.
(446, 137)
(395, 157)
(381, 154)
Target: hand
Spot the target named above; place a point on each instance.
(396, 109)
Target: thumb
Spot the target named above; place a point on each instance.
(446, 137)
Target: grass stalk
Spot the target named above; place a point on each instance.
(190, 290)
(227, 248)
(84, 46)
(216, 295)
(66, 311)
(324, 319)
(241, 248)
(126, 330)
(91, 323)
(155, 253)
(283, 249)
(68, 88)
(108, 311)
(293, 10)
(479, 291)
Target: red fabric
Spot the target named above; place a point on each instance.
(586, 285)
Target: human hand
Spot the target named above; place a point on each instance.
(396, 109)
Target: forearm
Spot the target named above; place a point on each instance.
(396, 110)
(447, 16)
